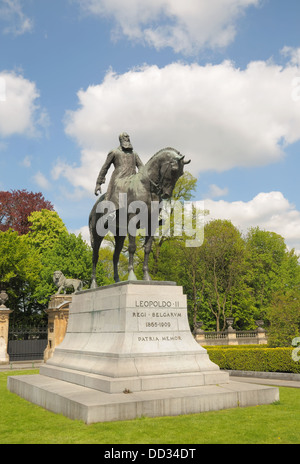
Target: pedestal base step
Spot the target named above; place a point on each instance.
(135, 384)
(90, 405)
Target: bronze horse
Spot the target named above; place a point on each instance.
(153, 183)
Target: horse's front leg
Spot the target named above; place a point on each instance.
(119, 242)
(96, 247)
(147, 246)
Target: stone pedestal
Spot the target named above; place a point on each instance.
(58, 316)
(128, 352)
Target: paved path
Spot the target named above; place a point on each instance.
(19, 366)
(262, 381)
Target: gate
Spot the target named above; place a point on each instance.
(27, 343)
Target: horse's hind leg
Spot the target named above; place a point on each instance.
(119, 242)
(132, 250)
(148, 246)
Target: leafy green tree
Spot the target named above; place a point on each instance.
(211, 274)
(229, 275)
(28, 263)
(20, 268)
(271, 268)
(71, 255)
(284, 317)
(45, 229)
(185, 187)
(190, 275)
(222, 257)
(183, 191)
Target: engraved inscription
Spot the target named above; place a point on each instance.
(157, 339)
(156, 304)
(158, 324)
(155, 316)
(145, 314)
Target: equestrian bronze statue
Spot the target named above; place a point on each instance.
(132, 202)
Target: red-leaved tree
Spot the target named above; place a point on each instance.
(16, 206)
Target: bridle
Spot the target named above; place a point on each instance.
(156, 188)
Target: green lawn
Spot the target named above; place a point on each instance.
(24, 423)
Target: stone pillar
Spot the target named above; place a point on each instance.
(199, 333)
(261, 333)
(58, 316)
(4, 325)
(231, 333)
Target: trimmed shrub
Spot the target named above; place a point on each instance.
(254, 359)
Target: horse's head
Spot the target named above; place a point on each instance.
(170, 170)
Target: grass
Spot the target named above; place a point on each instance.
(24, 423)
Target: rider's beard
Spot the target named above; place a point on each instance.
(126, 146)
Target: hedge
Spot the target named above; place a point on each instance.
(254, 359)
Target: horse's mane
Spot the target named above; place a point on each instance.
(160, 152)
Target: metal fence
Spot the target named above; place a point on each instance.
(27, 343)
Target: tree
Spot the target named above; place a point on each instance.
(20, 269)
(28, 263)
(16, 206)
(45, 229)
(106, 261)
(190, 275)
(274, 279)
(284, 317)
(185, 187)
(222, 258)
(17, 259)
(211, 274)
(183, 191)
(71, 255)
(271, 267)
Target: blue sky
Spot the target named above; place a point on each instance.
(218, 80)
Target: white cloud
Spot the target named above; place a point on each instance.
(186, 26)
(26, 161)
(215, 191)
(270, 211)
(82, 177)
(293, 54)
(2, 89)
(42, 181)
(218, 115)
(11, 12)
(19, 113)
